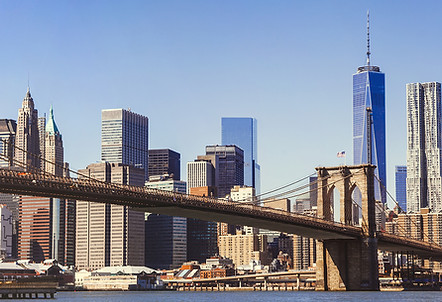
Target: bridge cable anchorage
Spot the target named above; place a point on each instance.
(406, 215)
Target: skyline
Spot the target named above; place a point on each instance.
(178, 62)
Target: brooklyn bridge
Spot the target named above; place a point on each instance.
(346, 253)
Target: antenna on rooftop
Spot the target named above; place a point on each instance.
(368, 38)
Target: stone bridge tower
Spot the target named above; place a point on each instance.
(347, 264)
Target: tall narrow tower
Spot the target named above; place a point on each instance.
(369, 92)
(27, 137)
(53, 147)
(424, 147)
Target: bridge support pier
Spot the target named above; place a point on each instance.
(347, 264)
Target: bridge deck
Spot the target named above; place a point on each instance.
(204, 208)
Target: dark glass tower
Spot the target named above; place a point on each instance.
(164, 161)
(369, 92)
(242, 132)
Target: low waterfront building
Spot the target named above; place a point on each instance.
(123, 278)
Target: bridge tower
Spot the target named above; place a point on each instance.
(347, 264)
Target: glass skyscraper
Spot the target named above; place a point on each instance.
(242, 132)
(124, 138)
(369, 92)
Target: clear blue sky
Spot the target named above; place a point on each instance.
(186, 64)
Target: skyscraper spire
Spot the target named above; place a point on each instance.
(368, 38)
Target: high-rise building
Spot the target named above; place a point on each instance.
(369, 121)
(124, 138)
(201, 234)
(35, 228)
(164, 162)
(229, 167)
(242, 132)
(166, 236)
(53, 152)
(401, 187)
(8, 130)
(424, 139)
(46, 228)
(41, 126)
(244, 194)
(200, 173)
(27, 152)
(108, 234)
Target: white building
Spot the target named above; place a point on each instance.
(424, 139)
(247, 195)
(200, 173)
(5, 232)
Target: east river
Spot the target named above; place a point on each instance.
(248, 296)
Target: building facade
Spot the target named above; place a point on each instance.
(164, 162)
(424, 138)
(200, 173)
(243, 248)
(108, 234)
(242, 132)
(229, 167)
(27, 152)
(124, 138)
(401, 187)
(166, 236)
(6, 232)
(369, 125)
(46, 228)
(8, 129)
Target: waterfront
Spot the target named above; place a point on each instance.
(248, 296)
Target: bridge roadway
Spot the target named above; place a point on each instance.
(204, 208)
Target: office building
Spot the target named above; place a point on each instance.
(166, 236)
(8, 129)
(109, 235)
(53, 151)
(6, 225)
(401, 187)
(27, 152)
(243, 194)
(200, 173)
(41, 126)
(35, 228)
(242, 132)
(164, 162)
(424, 183)
(124, 138)
(229, 167)
(201, 235)
(46, 229)
(369, 145)
(301, 250)
(243, 248)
